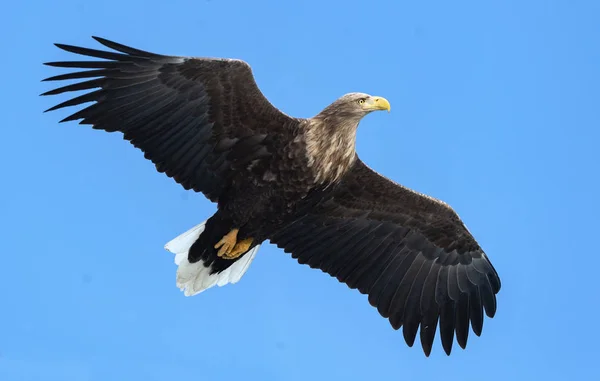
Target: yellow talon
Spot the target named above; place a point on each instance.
(240, 248)
(227, 243)
(230, 248)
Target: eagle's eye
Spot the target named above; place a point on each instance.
(361, 101)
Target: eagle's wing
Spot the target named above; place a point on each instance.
(196, 119)
(410, 253)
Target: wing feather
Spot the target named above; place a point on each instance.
(197, 119)
(420, 266)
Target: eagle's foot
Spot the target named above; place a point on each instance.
(227, 243)
(240, 248)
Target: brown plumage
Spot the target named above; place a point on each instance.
(296, 182)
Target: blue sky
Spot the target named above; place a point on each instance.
(494, 110)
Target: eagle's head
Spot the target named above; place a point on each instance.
(357, 105)
(362, 104)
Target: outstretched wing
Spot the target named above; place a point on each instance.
(410, 253)
(196, 119)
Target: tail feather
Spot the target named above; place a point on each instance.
(193, 278)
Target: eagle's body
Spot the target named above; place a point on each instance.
(296, 182)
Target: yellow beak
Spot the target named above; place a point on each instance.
(378, 103)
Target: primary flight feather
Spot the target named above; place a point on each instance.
(296, 182)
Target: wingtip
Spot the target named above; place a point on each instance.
(101, 40)
(52, 108)
(49, 92)
(65, 47)
(447, 346)
(67, 119)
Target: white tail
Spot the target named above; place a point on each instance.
(193, 278)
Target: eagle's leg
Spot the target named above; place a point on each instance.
(230, 248)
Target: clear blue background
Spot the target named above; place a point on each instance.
(495, 109)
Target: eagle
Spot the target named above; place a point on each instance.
(296, 182)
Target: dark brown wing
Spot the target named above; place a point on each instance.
(410, 253)
(196, 119)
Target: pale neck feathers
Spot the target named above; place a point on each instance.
(330, 146)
